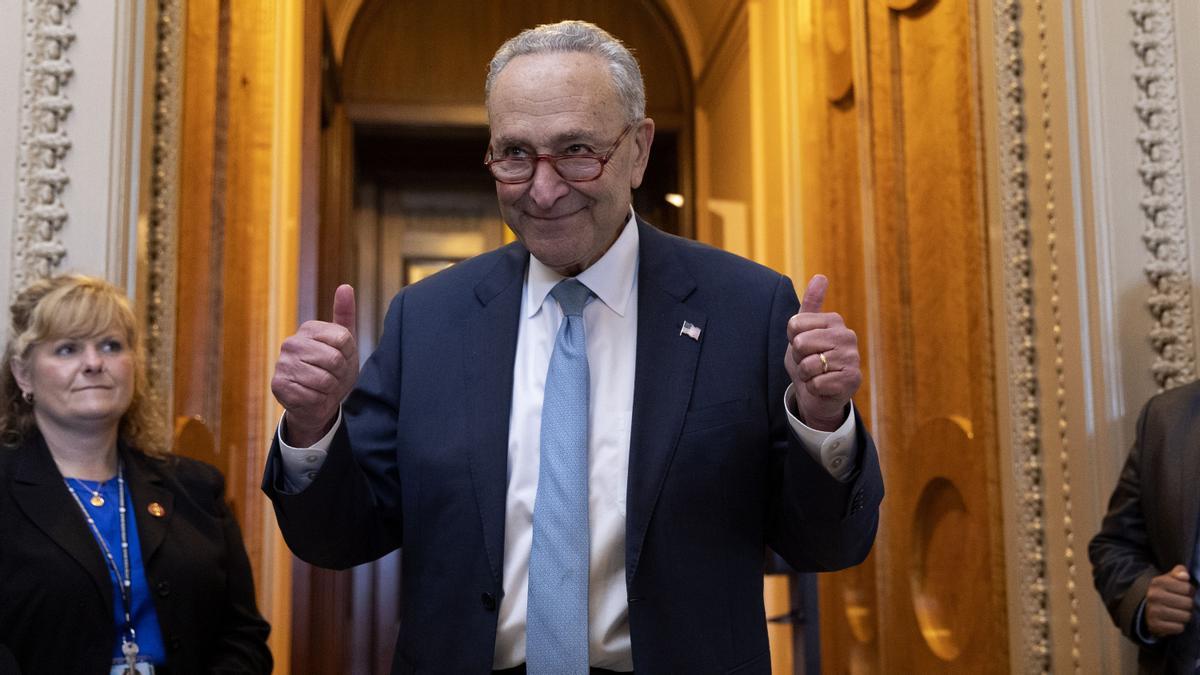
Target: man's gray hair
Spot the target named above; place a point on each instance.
(577, 36)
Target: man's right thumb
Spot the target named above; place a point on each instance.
(343, 307)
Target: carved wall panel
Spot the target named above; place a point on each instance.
(1163, 200)
(1024, 411)
(931, 596)
(158, 238)
(41, 177)
(941, 580)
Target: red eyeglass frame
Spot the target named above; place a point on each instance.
(554, 159)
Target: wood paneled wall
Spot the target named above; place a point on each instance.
(834, 244)
(235, 176)
(937, 413)
(895, 216)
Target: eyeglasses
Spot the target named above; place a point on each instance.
(575, 168)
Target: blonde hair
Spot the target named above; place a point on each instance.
(76, 306)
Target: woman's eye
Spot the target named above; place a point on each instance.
(112, 346)
(64, 349)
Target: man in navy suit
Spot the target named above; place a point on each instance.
(718, 417)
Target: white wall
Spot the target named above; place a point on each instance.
(104, 92)
(10, 106)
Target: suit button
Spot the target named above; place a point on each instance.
(163, 588)
(176, 643)
(489, 601)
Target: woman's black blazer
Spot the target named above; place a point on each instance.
(56, 611)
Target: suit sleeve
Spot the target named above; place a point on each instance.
(1122, 563)
(242, 641)
(817, 523)
(351, 512)
(8, 662)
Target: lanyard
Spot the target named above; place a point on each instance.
(123, 580)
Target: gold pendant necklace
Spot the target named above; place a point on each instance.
(97, 499)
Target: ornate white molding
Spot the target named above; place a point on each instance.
(1056, 333)
(161, 234)
(1018, 298)
(43, 143)
(1162, 202)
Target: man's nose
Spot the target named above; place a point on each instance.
(546, 186)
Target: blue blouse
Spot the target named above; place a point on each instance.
(145, 618)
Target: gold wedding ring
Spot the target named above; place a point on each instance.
(824, 362)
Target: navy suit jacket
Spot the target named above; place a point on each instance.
(715, 473)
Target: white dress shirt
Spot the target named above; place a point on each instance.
(610, 321)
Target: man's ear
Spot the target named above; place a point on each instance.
(643, 137)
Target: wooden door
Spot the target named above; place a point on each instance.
(900, 116)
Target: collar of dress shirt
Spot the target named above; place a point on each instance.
(610, 277)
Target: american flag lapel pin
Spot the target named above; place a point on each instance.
(690, 330)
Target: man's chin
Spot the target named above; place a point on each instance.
(566, 264)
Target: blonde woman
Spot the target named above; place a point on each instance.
(113, 553)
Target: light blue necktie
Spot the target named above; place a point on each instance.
(556, 633)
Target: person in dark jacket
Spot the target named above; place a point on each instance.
(113, 553)
(1146, 557)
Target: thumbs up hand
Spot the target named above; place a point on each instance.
(822, 360)
(317, 368)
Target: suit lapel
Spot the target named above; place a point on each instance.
(146, 486)
(491, 346)
(663, 377)
(40, 493)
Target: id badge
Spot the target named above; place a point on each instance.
(139, 668)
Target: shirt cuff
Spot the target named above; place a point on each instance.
(835, 450)
(300, 465)
(1139, 625)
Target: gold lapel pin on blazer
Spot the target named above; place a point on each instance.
(156, 510)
